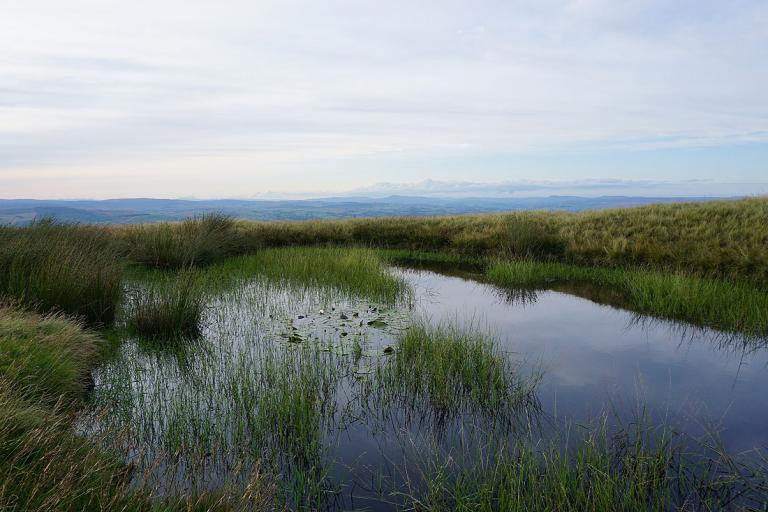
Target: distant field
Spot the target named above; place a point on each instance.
(133, 211)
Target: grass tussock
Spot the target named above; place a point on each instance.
(709, 302)
(197, 241)
(167, 307)
(450, 368)
(45, 357)
(56, 267)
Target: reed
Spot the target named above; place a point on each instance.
(167, 307)
(57, 267)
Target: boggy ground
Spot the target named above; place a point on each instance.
(46, 466)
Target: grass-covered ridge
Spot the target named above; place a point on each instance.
(725, 239)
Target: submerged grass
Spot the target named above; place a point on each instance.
(708, 302)
(451, 368)
(67, 268)
(636, 468)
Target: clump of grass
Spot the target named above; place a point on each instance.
(45, 357)
(197, 241)
(709, 302)
(167, 307)
(532, 238)
(450, 368)
(57, 267)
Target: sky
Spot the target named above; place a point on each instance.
(186, 98)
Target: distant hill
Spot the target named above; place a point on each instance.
(128, 211)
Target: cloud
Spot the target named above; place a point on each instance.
(296, 89)
(585, 188)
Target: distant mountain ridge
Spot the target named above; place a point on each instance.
(139, 210)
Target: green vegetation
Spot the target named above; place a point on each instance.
(722, 239)
(166, 307)
(194, 242)
(256, 399)
(714, 303)
(44, 362)
(352, 271)
(449, 368)
(67, 268)
(632, 469)
(45, 358)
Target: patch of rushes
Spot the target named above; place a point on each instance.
(636, 468)
(167, 307)
(197, 241)
(57, 267)
(352, 271)
(706, 302)
(452, 368)
(44, 465)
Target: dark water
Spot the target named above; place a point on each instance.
(591, 358)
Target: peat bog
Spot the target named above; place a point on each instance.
(325, 381)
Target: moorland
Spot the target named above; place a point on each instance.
(217, 363)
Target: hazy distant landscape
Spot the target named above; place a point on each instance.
(133, 211)
(370, 256)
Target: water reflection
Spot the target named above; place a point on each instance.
(289, 376)
(598, 355)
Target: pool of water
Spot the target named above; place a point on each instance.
(194, 417)
(596, 355)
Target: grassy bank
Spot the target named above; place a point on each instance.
(45, 466)
(44, 365)
(700, 301)
(725, 239)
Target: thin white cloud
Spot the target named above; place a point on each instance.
(285, 94)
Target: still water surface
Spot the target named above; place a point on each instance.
(590, 358)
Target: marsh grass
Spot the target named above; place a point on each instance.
(167, 307)
(45, 358)
(724, 239)
(197, 241)
(452, 368)
(635, 467)
(351, 271)
(706, 302)
(59, 267)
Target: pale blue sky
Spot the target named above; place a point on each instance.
(240, 98)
